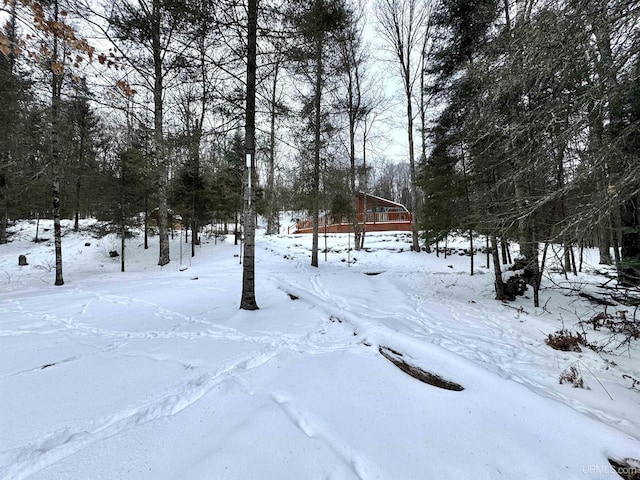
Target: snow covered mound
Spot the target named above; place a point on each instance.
(155, 373)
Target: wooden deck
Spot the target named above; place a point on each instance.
(375, 222)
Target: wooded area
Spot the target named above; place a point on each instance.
(521, 118)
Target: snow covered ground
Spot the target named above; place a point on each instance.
(156, 374)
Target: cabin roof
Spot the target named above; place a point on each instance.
(383, 201)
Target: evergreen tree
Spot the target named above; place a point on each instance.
(318, 25)
(628, 140)
(14, 94)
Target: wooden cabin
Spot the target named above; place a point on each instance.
(375, 214)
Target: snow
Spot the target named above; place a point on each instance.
(155, 373)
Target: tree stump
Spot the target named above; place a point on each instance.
(22, 260)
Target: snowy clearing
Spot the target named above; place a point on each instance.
(156, 374)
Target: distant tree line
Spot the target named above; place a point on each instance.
(151, 128)
(521, 117)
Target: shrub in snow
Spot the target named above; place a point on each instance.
(573, 376)
(622, 329)
(566, 341)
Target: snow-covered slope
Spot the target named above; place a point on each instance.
(156, 374)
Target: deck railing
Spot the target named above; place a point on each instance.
(371, 218)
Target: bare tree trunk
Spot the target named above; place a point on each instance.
(536, 285)
(81, 152)
(194, 236)
(56, 88)
(123, 234)
(365, 186)
(248, 301)
(629, 273)
(272, 220)
(568, 251)
(415, 245)
(581, 255)
(317, 102)
(351, 67)
(615, 236)
(57, 232)
(3, 215)
(363, 230)
(76, 216)
(497, 271)
(488, 253)
(236, 232)
(471, 249)
(528, 246)
(604, 243)
(538, 269)
(123, 178)
(158, 137)
(403, 25)
(146, 221)
(353, 110)
(596, 132)
(3, 229)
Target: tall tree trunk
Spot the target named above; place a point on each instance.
(528, 247)
(471, 249)
(404, 24)
(352, 162)
(56, 89)
(146, 221)
(123, 181)
(568, 252)
(604, 243)
(3, 227)
(158, 136)
(57, 231)
(488, 253)
(415, 243)
(76, 214)
(363, 231)
(195, 172)
(76, 221)
(4, 181)
(3, 212)
(248, 300)
(273, 226)
(503, 247)
(351, 67)
(629, 272)
(497, 271)
(123, 242)
(194, 236)
(538, 270)
(596, 133)
(317, 104)
(615, 236)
